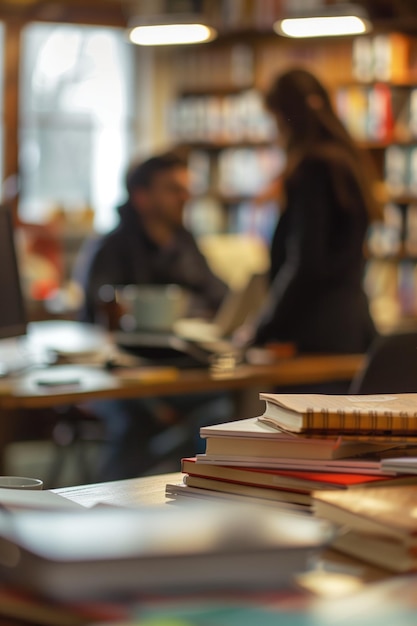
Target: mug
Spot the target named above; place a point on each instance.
(20, 482)
(151, 307)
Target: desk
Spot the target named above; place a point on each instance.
(95, 383)
(73, 338)
(149, 490)
(24, 392)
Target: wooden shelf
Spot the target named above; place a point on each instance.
(409, 83)
(383, 144)
(222, 145)
(394, 257)
(233, 90)
(403, 199)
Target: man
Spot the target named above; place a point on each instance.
(151, 246)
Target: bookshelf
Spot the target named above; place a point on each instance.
(218, 120)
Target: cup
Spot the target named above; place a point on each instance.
(151, 307)
(20, 482)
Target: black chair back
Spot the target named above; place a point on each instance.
(391, 366)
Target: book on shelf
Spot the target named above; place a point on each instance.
(392, 414)
(380, 525)
(252, 438)
(299, 480)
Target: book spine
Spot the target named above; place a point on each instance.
(370, 421)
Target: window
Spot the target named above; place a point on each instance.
(76, 120)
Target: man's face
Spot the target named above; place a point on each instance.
(165, 198)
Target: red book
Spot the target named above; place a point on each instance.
(294, 480)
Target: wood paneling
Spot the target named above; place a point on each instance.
(101, 12)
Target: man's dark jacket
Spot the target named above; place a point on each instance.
(127, 255)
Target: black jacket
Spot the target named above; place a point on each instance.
(127, 255)
(316, 297)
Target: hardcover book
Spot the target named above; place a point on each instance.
(294, 480)
(266, 493)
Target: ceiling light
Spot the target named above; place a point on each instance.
(169, 34)
(332, 21)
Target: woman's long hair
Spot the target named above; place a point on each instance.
(314, 128)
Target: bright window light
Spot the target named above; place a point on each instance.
(329, 26)
(171, 34)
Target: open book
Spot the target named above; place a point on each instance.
(391, 414)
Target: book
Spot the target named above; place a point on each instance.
(384, 512)
(182, 492)
(21, 499)
(104, 553)
(400, 465)
(305, 481)
(379, 525)
(266, 493)
(396, 556)
(358, 465)
(386, 414)
(252, 438)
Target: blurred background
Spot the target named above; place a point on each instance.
(79, 100)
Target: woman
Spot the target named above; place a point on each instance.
(316, 297)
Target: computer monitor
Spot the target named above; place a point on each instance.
(13, 321)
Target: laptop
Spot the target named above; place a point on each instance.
(192, 340)
(237, 308)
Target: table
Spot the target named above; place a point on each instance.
(95, 382)
(147, 491)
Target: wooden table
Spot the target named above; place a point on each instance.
(94, 382)
(149, 490)
(89, 382)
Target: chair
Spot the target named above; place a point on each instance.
(391, 366)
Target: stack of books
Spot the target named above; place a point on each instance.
(378, 526)
(83, 556)
(303, 443)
